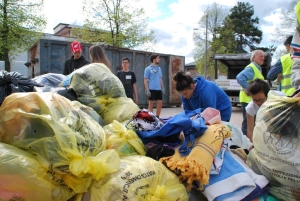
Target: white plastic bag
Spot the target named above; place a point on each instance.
(276, 141)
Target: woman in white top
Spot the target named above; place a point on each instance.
(258, 89)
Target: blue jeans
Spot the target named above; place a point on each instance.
(244, 123)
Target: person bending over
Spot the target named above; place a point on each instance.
(200, 93)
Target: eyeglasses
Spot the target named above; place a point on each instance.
(262, 100)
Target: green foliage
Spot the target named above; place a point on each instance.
(210, 70)
(21, 26)
(225, 42)
(234, 33)
(246, 32)
(115, 23)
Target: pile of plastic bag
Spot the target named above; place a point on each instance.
(54, 148)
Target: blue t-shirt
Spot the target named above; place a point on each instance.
(153, 74)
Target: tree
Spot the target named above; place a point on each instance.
(115, 22)
(21, 26)
(246, 32)
(225, 41)
(215, 13)
(287, 26)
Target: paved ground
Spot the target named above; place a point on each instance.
(236, 117)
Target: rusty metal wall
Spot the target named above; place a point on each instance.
(52, 54)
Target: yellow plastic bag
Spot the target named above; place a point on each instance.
(120, 109)
(276, 141)
(23, 178)
(97, 87)
(139, 178)
(64, 138)
(95, 80)
(124, 141)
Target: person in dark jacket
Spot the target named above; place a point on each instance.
(77, 60)
(199, 93)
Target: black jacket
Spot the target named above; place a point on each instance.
(73, 64)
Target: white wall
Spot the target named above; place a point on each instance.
(18, 65)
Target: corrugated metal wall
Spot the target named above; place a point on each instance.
(52, 54)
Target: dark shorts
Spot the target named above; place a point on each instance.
(155, 95)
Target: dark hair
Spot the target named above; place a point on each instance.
(153, 56)
(258, 85)
(288, 41)
(98, 55)
(183, 81)
(125, 58)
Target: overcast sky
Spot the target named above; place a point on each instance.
(172, 20)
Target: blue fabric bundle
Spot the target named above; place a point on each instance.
(192, 128)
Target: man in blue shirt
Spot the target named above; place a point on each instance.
(154, 87)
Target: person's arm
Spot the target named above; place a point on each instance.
(185, 104)
(274, 71)
(146, 84)
(244, 76)
(136, 100)
(162, 84)
(250, 126)
(133, 79)
(161, 81)
(295, 78)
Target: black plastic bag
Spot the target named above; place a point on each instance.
(12, 82)
(68, 93)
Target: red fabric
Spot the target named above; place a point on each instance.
(76, 47)
(144, 115)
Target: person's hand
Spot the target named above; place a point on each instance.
(136, 100)
(163, 91)
(148, 93)
(279, 77)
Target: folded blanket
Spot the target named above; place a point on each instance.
(232, 183)
(218, 160)
(260, 180)
(257, 193)
(196, 166)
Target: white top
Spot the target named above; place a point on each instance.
(252, 107)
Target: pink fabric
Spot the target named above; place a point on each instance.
(211, 116)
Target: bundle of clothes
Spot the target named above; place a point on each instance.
(206, 154)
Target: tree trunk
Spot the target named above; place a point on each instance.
(7, 61)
